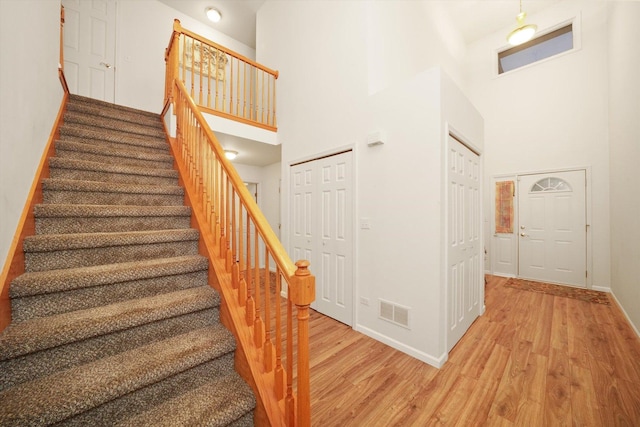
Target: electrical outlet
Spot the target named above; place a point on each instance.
(365, 224)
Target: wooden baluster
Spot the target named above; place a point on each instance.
(201, 49)
(238, 88)
(224, 91)
(250, 285)
(269, 104)
(227, 202)
(214, 213)
(303, 287)
(223, 211)
(216, 79)
(268, 345)
(279, 371)
(242, 290)
(235, 273)
(258, 325)
(193, 66)
(231, 86)
(289, 401)
(209, 78)
(244, 94)
(262, 99)
(184, 60)
(275, 122)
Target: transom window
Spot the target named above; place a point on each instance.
(542, 47)
(551, 184)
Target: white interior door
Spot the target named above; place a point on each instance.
(89, 47)
(464, 254)
(552, 234)
(322, 230)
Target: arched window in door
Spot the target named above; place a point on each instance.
(551, 184)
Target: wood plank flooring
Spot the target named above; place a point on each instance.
(531, 360)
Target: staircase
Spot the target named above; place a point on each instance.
(114, 322)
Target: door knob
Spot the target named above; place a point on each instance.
(523, 234)
(106, 65)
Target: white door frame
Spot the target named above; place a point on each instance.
(286, 235)
(516, 225)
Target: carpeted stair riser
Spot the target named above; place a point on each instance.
(60, 191)
(117, 148)
(42, 333)
(80, 299)
(83, 170)
(67, 393)
(127, 140)
(82, 250)
(109, 124)
(45, 362)
(118, 411)
(98, 153)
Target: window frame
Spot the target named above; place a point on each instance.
(575, 22)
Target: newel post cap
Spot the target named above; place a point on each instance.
(303, 289)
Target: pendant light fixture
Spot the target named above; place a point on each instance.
(523, 33)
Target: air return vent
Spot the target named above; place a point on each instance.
(394, 313)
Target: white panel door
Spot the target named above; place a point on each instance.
(552, 234)
(464, 254)
(322, 229)
(89, 47)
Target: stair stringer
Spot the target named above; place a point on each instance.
(268, 410)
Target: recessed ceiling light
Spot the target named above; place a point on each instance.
(214, 15)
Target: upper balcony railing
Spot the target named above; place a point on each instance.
(221, 81)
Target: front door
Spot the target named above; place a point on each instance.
(552, 227)
(89, 47)
(322, 230)
(464, 259)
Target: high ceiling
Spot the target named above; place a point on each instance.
(473, 18)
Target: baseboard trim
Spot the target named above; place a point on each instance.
(436, 362)
(615, 299)
(601, 289)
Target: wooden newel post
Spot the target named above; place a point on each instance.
(303, 291)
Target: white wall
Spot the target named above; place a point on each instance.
(268, 180)
(31, 98)
(144, 28)
(624, 137)
(346, 70)
(550, 115)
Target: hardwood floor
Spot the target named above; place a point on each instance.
(531, 360)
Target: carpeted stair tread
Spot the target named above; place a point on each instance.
(51, 281)
(108, 211)
(129, 406)
(125, 138)
(110, 123)
(67, 393)
(103, 105)
(112, 152)
(46, 332)
(115, 146)
(207, 405)
(59, 251)
(42, 363)
(133, 116)
(58, 242)
(69, 218)
(113, 168)
(69, 191)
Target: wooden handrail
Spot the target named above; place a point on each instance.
(243, 245)
(220, 80)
